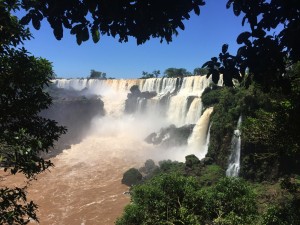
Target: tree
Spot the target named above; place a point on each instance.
(122, 19)
(200, 71)
(154, 74)
(23, 133)
(132, 177)
(176, 199)
(176, 72)
(265, 56)
(165, 199)
(97, 75)
(146, 75)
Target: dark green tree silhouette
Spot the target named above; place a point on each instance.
(176, 72)
(121, 19)
(154, 74)
(265, 55)
(23, 133)
(97, 75)
(200, 71)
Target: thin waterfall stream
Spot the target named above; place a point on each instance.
(234, 159)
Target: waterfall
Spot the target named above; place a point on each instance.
(179, 111)
(183, 103)
(198, 142)
(234, 159)
(115, 142)
(177, 101)
(207, 140)
(194, 111)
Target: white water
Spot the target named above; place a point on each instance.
(85, 185)
(198, 143)
(234, 159)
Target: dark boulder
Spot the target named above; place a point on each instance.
(171, 136)
(132, 177)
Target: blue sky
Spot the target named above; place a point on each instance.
(202, 39)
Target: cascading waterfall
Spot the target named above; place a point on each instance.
(115, 142)
(199, 140)
(234, 159)
(183, 106)
(194, 111)
(180, 111)
(207, 140)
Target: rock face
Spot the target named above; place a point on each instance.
(135, 98)
(74, 110)
(132, 177)
(171, 136)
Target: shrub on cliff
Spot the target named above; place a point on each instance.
(132, 177)
(176, 199)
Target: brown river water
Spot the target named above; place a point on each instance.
(84, 187)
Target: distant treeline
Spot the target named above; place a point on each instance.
(169, 73)
(174, 72)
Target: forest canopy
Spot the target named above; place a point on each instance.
(122, 19)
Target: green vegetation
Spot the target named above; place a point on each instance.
(97, 75)
(123, 19)
(154, 74)
(270, 129)
(262, 58)
(268, 191)
(224, 119)
(200, 71)
(172, 197)
(132, 177)
(24, 134)
(176, 72)
(195, 193)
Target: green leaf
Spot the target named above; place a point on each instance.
(92, 5)
(85, 34)
(197, 10)
(224, 48)
(259, 33)
(214, 59)
(243, 37)
(207, 64)
(78, 38)
(58, 31)
(25, 20)
(96, 35)
(236, 9)
(36, 23)
(181, 25)
(75, 29)
(228, 4)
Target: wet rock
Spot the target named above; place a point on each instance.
(132, 177)
(171, 136)
(207, 161)
(137, 97)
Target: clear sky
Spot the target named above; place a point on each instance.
(202, 39)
